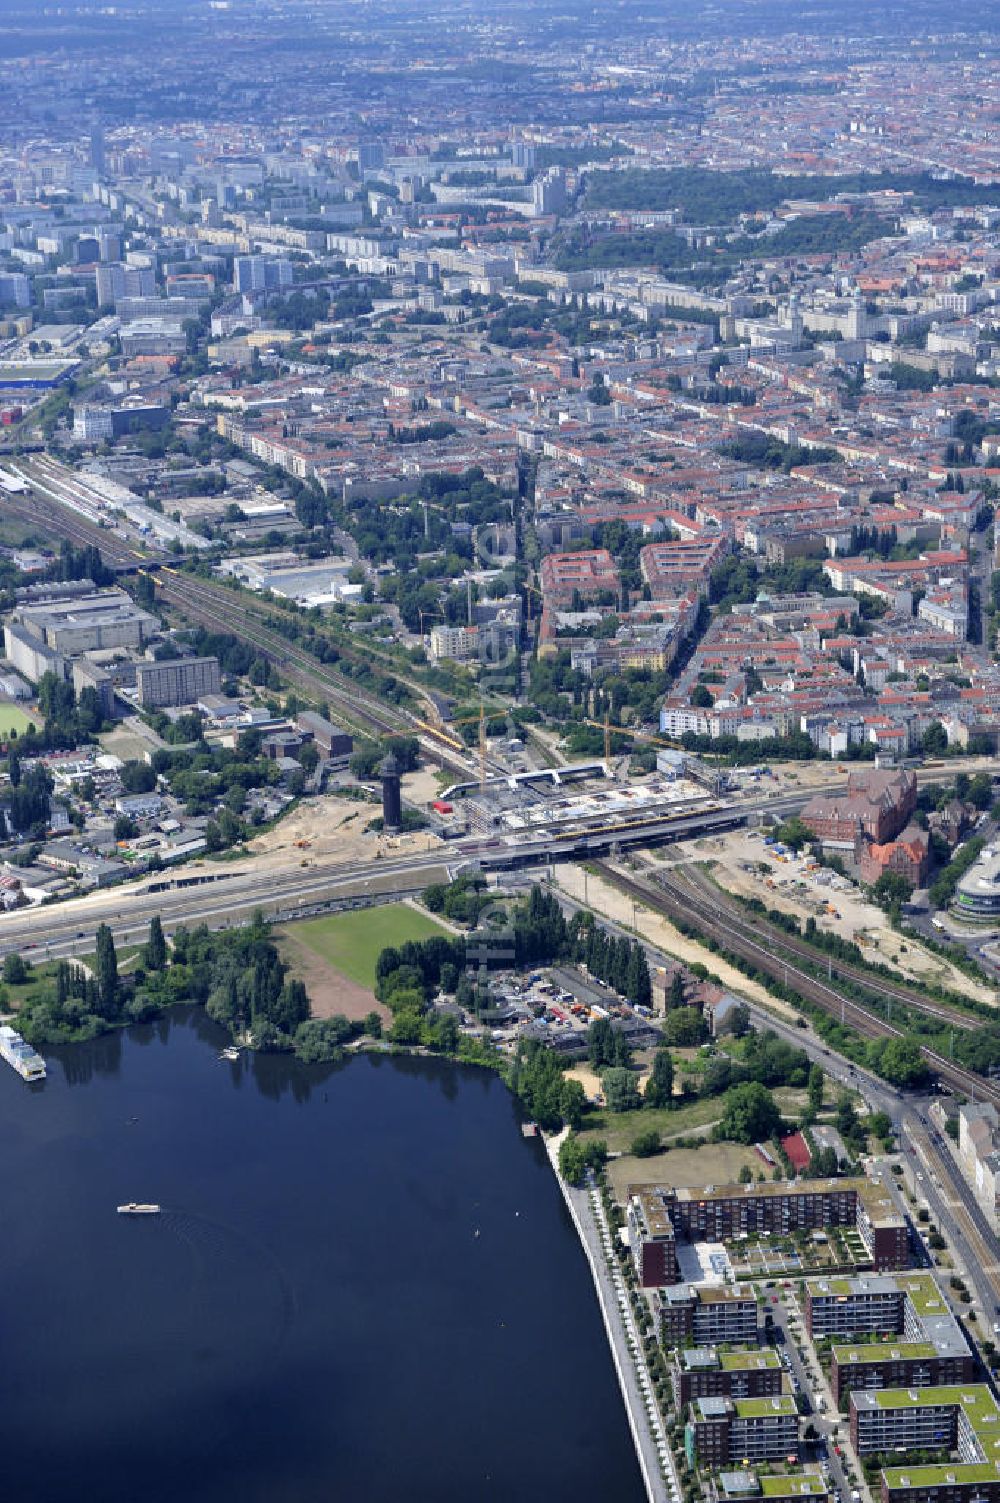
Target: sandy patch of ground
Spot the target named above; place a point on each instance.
(422, 787)
(329, 992)
(331, 826)
(796, 891)
(588, 1078)
(712, 1164)
(127, 745)
(607, 900)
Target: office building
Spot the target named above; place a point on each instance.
(177, 681)
(116, 281)
(94, 424)
(261, 274)
(94, 621)
(332, 740)
(30, 655)
(88, 675)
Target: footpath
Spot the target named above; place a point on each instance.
(648, 1435)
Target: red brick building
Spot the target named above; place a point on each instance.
(909, 855)
(876, 807)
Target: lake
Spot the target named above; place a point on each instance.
(364, 1285)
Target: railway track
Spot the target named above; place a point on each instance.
(217, 608)
(718, 903)
(676, 903)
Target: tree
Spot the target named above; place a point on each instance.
(645, 1144)
(154, 955)
(794, 833)
(309, 757)
(620, 1090)
(750, 1114)
(892, 887)
(138, 777)
(660, 1085)
(685, 1027)
(638, 987)
(824, 1164)
(373, 1024)
(981, 790)
(899, 1061)
(575, 1158)
(573, 1103)
(600, 1043)
(407, 1027)
(935, 739)
(675, 996)
(701, 699)
(15, 972)
(125, 827)
(816, 1083)
(106, 972)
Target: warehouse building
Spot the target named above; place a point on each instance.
(94, 621)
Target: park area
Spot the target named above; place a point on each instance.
(335, 956)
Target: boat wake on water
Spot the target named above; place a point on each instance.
(226, 1261)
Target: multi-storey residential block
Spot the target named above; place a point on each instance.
(261, 274)
(719, 1430)
(964, 1418)
(968, 1483)
(744, 1486)
(658, 1215)
(932, 1349)
(703, 1372)
(651, 1235)
(707, 1316)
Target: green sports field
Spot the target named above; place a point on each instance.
(350, 942)
(14, 719)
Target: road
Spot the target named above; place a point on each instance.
(949, 1197)
(612, 1294)
(806, 1372)
(217, 897)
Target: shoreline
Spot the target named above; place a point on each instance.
(653, 1454)
(649, 1450)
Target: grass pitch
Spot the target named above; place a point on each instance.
(350, 942)
(14, 719)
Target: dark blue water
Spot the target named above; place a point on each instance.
(313, 1317)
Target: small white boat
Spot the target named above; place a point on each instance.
(230, 1052)
(137, 1208)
